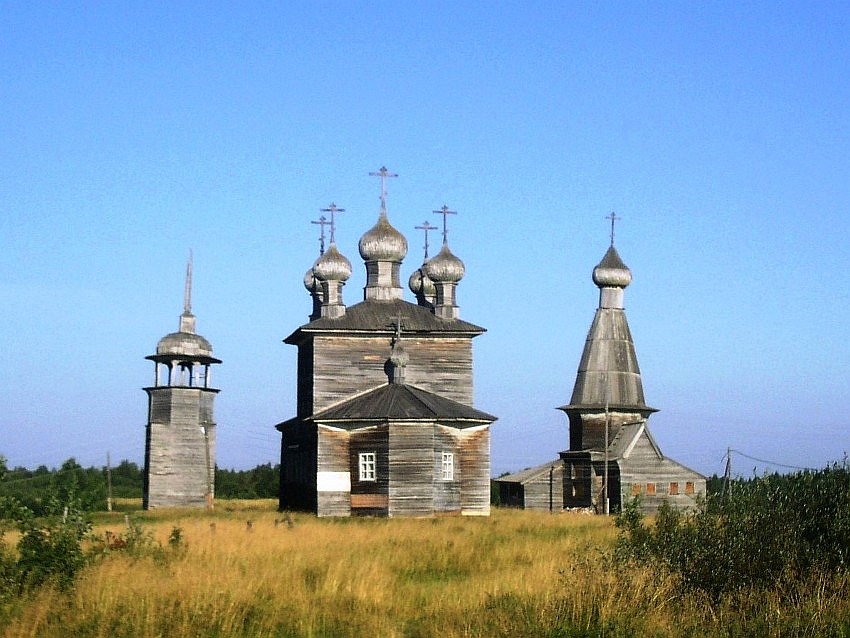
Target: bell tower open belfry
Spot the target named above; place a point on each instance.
(180, 433)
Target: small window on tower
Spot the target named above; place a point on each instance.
(367, 466)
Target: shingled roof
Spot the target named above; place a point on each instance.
(366, 316)
(398, 402)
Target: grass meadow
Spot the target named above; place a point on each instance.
(515, 573)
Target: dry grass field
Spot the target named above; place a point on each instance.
(513, 574)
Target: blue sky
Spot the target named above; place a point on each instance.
(719, 133)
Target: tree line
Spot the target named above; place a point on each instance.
(89, 485)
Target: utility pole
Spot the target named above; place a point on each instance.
(727, 475)
(551, 485)
(607, 426)
(209, 495)
(108, 483)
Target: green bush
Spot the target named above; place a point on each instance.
(50, 547)
(768, 532)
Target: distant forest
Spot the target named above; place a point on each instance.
(32, 488)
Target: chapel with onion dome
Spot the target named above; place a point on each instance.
(612, 456)
(385, 423)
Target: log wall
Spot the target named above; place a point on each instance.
(177, 473)
(345, 366)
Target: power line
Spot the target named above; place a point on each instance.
(773, 463)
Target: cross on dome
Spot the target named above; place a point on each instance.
(445, 212)
(383, 173)
(426, 226)
(397, 325)
(333, 210)
(613, 217)
(322, 221)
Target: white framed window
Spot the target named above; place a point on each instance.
(448, 466)
(367, 466)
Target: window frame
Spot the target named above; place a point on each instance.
(447, 467)
(367, 463)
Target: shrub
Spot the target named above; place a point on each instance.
(50, 547)
(768, 531)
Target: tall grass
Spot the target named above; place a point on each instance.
(513, 574)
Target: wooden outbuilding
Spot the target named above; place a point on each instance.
(385, 423)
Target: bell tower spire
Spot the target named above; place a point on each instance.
(187, 319)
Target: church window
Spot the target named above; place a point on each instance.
(367, 466)
(689, 487)
(674, 489)
(635, 489)
(448, 466)
(650, 489)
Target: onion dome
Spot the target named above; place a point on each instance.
(444, 267)
(611, 272)
(310, 281)
(331, 266)
(382, 242)
(421, 284)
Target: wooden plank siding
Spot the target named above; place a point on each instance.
(411, 467)
(447, 493)
(346, 366)
(333, 481)
(177, 471)
(370, 497)
(475, 471)
(546, 490)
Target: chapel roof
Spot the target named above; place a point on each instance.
(374, 316)
(398, 402)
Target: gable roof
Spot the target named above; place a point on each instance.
(524, 476)
(378, 316)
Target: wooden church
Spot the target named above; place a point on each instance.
(385, 422)
(612, 455)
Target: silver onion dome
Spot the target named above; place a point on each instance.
(382, 242)
(421, 284)
(611, 272)
(444, 267)
(331, 266)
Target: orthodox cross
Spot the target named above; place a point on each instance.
(613, 217)
(187, 291)
(322, 221)
(383, 173)
(397, 327)
(445, 212)
(333, 210)
(426, 227)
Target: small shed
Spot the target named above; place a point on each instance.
(538, 488)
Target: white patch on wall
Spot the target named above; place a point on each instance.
(333, 481)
